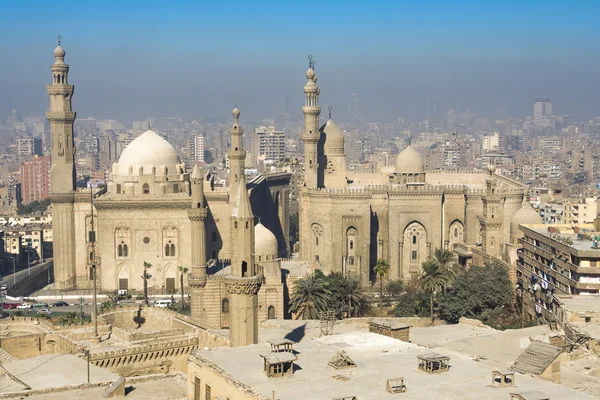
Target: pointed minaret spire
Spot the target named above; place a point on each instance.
(236, 154)
(241, 207)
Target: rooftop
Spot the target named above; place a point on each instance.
(378, 358)
(565, 234)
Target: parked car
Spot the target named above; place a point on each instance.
(3, 287)
(166, 303)
(60, 304)
(24, 306)
(44, 311)
(40, 304)
(9, 306)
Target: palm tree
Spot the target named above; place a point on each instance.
(433, 279)
(446, 260)
(310, 297)
(381, 268)
(354, 299)
(183, 270)
(145, 277)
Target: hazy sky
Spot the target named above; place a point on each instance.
(134, 59)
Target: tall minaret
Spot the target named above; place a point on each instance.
(197, 214)
(62, 172)
(244, 281)
(493, 215)
(311, 135)
(236, 154)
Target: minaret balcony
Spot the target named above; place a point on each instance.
(60, 89)
(196, 281)
(249, 285)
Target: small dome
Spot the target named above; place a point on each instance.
(265, 243)
(59, 51)
(334, 137)
(310, 74)
(236, 112)
(409, 161)
(524, 215)
(149, 150)
(491, 168)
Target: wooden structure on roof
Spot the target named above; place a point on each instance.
(502, 379)
(279, 364)
(395, 385)
(341, 360)
(530, 395)
(433, 363)
(327, 319)
(282, 345)
(539, 358)
(390, 328)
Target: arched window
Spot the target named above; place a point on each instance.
(455, 232)
(225, 306)
(244, 268)
(167, 250)
(235, 224)
(125, 250)
(271, 312)
(246, 224)
(351, 244)
(316, 241)
(145, 188)
(415, 239)
(120, 251)
(259, 258)
(172, 250)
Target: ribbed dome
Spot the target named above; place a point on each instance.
(149, 150)
(524, 215)
(265, 243)
(334, 137)
(409, 161)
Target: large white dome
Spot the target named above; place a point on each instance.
(409, 161)
(265, 242)
(334, 137)
(149, 150)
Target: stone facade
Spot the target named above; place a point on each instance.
(347, 220)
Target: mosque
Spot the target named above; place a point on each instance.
(230, 240)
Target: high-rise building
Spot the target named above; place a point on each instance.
(542, 110)
(199, 148)
(29, 147)
(35, 179)
(268, 143)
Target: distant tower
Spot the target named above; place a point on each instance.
(197, 214)
(244, 282)
(492, 216)
(62, 173)
(236, 154)
(311, 134)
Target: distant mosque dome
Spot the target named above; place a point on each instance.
(149, 151)
(409, 161)
(265, 243)
(334, 137)
(524, 215)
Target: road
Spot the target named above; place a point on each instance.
(10, 280)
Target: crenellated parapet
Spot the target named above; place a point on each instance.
(196, 282)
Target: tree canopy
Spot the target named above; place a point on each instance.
(476, 292)
(34, 206)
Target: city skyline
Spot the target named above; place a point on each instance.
(194, 61)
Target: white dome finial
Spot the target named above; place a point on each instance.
(59, 52)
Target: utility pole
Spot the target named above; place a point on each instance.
(94, 266)
(87, 354)
(81, 309)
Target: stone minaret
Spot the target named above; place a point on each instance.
(244, 281)
(310, 136)
(493, 215)
(236, 154)
(62, 173)
(197, 214)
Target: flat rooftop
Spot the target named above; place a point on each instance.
(56, 370)
(581, 303)
(565, 231)
(378, 358)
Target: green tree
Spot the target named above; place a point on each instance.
(476, 293)
(411, 304)
(354, 300)
(381, 268)
(145, 277)
(432, 280)
(293, 228)
(446, 259)
(394, 288)
(182, 271)
(34, 206)
(310, 296)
